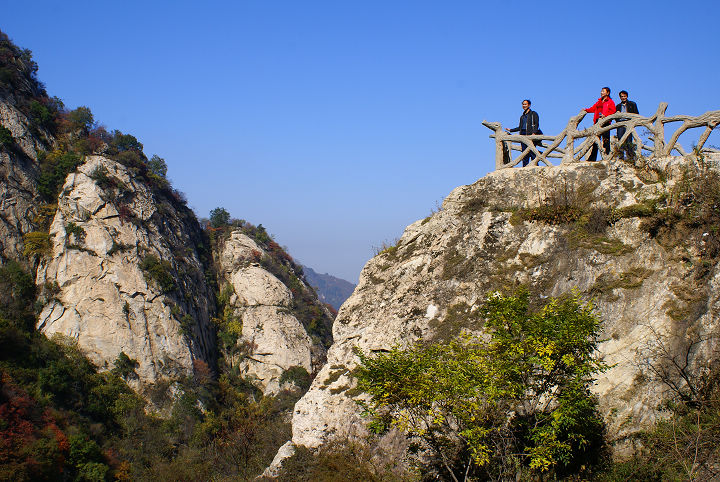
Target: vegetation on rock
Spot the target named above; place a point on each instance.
(305, 305)
(514, 403)
(62, 419)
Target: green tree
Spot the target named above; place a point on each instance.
(125, 366)
(125, 142)
(6, 137)
(509, 404)
(219, 217)
(157, 166)
(40, 113)
(81, 118)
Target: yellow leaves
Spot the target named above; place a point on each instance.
(55, 155)
(36, 243)
(234, 326)
(540, 463)
(466, 388)
(44, 215)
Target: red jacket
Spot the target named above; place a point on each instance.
(606, 108)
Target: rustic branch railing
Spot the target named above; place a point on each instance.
(506, 143)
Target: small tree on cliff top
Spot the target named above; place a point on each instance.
(512, 403)
(219, 217)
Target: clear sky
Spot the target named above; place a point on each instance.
(335, 124)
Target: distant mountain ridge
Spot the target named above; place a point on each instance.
(331, 290)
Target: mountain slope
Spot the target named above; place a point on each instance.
(331, 290)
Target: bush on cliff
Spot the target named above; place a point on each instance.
(512, 403)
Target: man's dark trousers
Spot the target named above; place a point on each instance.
(530, 156)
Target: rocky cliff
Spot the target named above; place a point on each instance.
(124, 274)
(122, 265)
(19, 196)
(267, 309)
(616, 232)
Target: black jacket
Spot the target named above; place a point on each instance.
(631, 107)
(532, 124)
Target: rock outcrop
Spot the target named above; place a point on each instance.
(274, 337)
(19, 196)
(124, 274)
(647, 291)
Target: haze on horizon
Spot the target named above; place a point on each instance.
(335, 125)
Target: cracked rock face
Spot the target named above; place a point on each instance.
(95, 290)
(474, 246)
(19, 196)
(276, 340)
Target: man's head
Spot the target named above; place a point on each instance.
(623, 95)
(526, 104)
(605, 92)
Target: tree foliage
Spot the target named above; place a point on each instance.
(219, 217)
(509, 403)
(81, 119)
(6, 138)
(157, 166)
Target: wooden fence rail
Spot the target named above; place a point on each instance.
(506, 143)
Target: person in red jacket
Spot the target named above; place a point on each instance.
(602, 108)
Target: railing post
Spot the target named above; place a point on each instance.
(499, 155)
(570, 132)
(659, 131)
(496, 127)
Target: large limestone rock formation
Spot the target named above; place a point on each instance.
(648, 294)
(124, 274)
(19, 195)
(274, 337)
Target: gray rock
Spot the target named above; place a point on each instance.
(474, 246)
(105, 300)
(19, 196)
(276, 340)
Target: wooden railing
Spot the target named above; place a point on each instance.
(506, 143)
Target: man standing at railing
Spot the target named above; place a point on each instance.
(602, 108)
(625, 105)
(529, 125)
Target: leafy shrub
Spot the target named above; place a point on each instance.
(17, 292)
(124, 366)
(683, 446)
(690, 211)
(102, 177)
(125, 142)
(550, 214)
(40, 114)
(81, 119)
(157, 166)
(54, 168)
(187, 324)
(37, 243)
(219, 217)
(6, 138)
(44, 215)
(348, 461)
(297, 375)
(118, 247)
(517, 405)
(72, 229)
(160, 271)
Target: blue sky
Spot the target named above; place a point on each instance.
(335, 124)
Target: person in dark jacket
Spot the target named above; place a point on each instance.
(629, 106)
(529, 125)
(604, 107)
